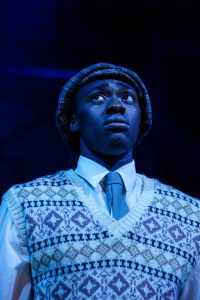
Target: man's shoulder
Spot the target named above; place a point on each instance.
(167, 191)
(57, 179)
(49, 187)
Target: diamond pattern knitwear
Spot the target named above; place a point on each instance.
(78, 251)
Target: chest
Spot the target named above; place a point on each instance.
(71, 242)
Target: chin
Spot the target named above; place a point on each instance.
(121, 142)
(118, 149)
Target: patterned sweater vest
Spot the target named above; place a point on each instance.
(78, 251)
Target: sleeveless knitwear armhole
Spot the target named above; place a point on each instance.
(16, 213)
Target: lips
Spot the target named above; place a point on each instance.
(116, 125)
(116, 121)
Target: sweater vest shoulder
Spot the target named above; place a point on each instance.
(79, 253)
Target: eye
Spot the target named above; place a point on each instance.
(98, 98)
(129, 98)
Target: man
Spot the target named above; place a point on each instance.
(101, 231)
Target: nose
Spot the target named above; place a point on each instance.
(115, 106)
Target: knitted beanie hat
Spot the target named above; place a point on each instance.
(92, 73)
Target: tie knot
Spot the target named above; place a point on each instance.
(113, 178)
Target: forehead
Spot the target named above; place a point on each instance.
(105, 83)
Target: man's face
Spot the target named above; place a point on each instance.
(107, 115)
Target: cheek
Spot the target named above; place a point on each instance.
(136, 116)
(89, 117)
(82, 119)
(136, 123)
(87, 123)
(80, 116)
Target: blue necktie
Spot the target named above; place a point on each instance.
(115, 200)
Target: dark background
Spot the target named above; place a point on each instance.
(42, 43)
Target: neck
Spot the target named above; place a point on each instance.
(109, 162)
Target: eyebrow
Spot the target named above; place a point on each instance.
(105, 84)
(99, 86)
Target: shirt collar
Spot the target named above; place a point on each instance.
(94, 172)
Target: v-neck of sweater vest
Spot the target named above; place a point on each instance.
(116, 227)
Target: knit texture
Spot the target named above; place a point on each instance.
(79, 252)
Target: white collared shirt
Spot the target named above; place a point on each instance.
(93, 173)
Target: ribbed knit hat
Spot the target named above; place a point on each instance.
(92, 73)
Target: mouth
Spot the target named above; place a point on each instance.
(116, 121)
(116, 125)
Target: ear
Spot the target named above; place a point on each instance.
(74, 124)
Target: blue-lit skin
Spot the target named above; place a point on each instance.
(107, 115)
